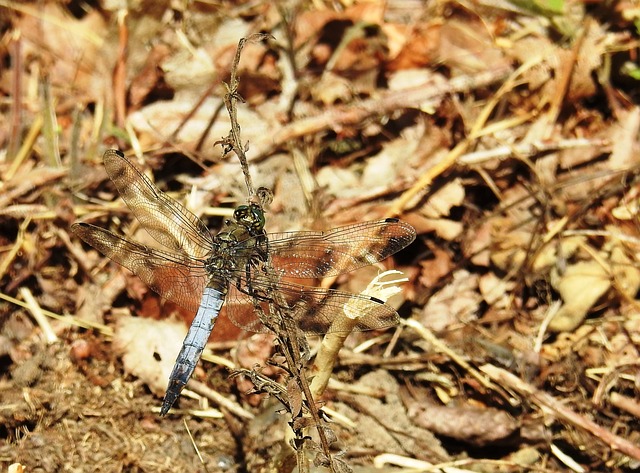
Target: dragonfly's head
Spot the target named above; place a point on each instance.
(250, 216)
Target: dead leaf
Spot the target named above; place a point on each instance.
(295, 397)
(416, 47)
(495, 290)
(379, 419)
(150, 77)
(624, 138)
(160, 119)
(470, 424)
(580, 286)
(457, 302)
(450, 195)
(149, 348)
(332, 88)
(435, 268)
(467, 47)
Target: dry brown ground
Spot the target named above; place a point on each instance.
(505, 133)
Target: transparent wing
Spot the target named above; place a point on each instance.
(173, 276)
(315, 310)
(170, 223)
(240, 310)
(343, 249)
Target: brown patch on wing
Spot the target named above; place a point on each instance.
(343, 249)
(315, 310)
(173, 276)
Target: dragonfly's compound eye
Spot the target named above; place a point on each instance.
(240, 213)
(257, 215)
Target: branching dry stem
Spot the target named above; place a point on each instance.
(290, 339)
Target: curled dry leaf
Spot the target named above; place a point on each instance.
(413, 47)
(495, 290)
(439, 206)
(580, 286)
(294, 395)
(331, 88)
(149, 348)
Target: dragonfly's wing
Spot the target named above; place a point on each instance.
(240, 310)
(166, 220)
(343, 249)
(319, 311)
(173, 276)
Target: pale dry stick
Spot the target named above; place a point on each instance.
(34, 179)
(120, 69)
(428, 335)
(36, 311)
(305, 176)
(385, 460)
(425, 181)
(133, 139)
(530, 149)
(419, 466)
(75, 250)
(510, 122)
(15, 112)
(97, 128)
(33, 211)
(608, 377)
(208, 413)
(288, 65)
(557, 409)
(365, 345)
(193, 442)
(219, 399)
(51, 147)
(68, 319)
(566, 460)
(355, 389)
(219, 360)
(338, 418)
(551, 312)
(625, 403)
(413, 465)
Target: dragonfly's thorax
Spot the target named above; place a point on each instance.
(241, 244)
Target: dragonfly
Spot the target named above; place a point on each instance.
(201, 271)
